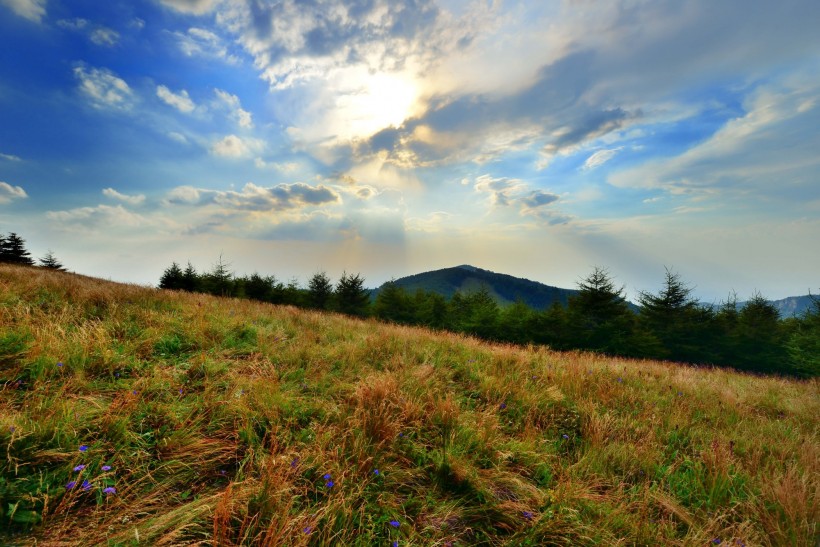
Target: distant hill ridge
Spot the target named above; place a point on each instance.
(506, 289)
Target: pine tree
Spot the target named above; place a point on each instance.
(171, 277)
(191, 280)
(351, 296)
(219, 281)
(13, 250)
(49, 261)
(393, 304)
(599, 317)
(320, 291)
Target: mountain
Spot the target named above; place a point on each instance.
(506, 289)
(793, 305)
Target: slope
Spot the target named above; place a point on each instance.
(133, 416)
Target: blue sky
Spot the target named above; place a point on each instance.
(538, 139)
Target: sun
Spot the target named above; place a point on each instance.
(376, 101)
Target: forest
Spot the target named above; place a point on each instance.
(668, 325)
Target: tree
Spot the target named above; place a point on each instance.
(219, 281)
(393, 304)
(683, 327)
(50, 262)
(761, 337)
(803, 345)
(320, 291)
(172, 277)
(351, 296)
(599, 317)
(191, 280)
(259, 288)
(13, 250)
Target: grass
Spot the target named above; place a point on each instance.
(228, 422)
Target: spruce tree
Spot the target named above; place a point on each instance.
(49, 261)
(351, 296)
(320, 291)
(191, 280)
(599, 316)
(13, 250)
(171, 277)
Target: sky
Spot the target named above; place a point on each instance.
(534, 138)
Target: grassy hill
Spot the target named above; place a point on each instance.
(133, 416)
(505, 289)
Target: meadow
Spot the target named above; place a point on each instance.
(137, 416)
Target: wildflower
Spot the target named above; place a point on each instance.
(527, 515)
(60, 364)
(717, 541)
(294, 463)
(395, 544)
(502, 406)
(11, 428)
(620, 379)
(83, 447)
(330, 484)
(70, 485)
(86, 485)
(110, 490)
(106, 468)
(326, 476)
(180, 391)
(565, 436)
(134, 392)
(222, 472)
(307, 529)
(376, 472)
(395, 523)
(401, 434)
(79, 467)
(680, 394)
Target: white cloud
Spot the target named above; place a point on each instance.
(104, 89)
(101, 216)
(9, 193)
(196, 7)
(75, 24)
(255, 198)
(202, 42)
(178, 137)
(10, 157)
(283, 167)
(133, 200)
(33, 10)
(599, 158)
(501, 190)
(242, 117)
(103, 36)
(236, 147)
(181, 101)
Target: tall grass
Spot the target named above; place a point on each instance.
(228, 422)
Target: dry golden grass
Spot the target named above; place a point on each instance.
(220, 419)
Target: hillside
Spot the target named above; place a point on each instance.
(134, 416)
(505, 289)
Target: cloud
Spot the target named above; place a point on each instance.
(538, 198)
(774, 139)
(101, 216)
(181, 101)
(104, 89)
(133, 200)
(202, 42)
(33, 10)
(103, 36)
(10, 157)
(178, 137)
(9, 193)
(243, 117)
(256, 198)
(501, 190)
(196, 7)
(599, 158)
(235, 147)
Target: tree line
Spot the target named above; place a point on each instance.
(13, 251)
(668, 325)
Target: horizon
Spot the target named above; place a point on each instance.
(537, 140)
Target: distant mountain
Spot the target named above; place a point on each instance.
(787, 307)
(506, 289)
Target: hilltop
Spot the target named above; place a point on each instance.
(136, 416)
(505, 289)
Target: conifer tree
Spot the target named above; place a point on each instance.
(599, 316)
(13, 250)
(171, 277)
(191, 281)
(320, 291)
(49, 261)
(351, 296)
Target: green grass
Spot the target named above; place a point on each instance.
(220, 418)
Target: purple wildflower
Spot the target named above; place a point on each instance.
(83, 447)
(502, 406)
(86, 485)
(60, 364)
(110, 490)
(106, 468)
(307, 529)
(620, 379)
(565, 436)
(326, 476)
(294, 463)
(717, 541)
(395, 544)
(527, 515)
(79, 467)
(180, 391)
(395, 523)
(376, 472)
(330, 484)
(70, 485)
(11, 428)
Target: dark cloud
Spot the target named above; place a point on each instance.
(538, 198)
(256, 198)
